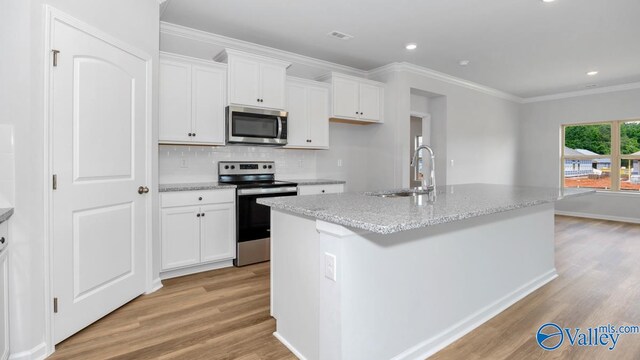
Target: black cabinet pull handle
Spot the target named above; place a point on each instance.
(202, 214)
(194, 134)
(200, 198)
(2, 240)
(189, 134)
(323, 191)
(198, 215)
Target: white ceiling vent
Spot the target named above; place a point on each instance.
(340, 35)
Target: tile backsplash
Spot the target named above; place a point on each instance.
(181, 163)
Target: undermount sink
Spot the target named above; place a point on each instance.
(406, 193)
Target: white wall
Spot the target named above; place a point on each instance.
(479, 132)
(202, 162)
(22, 29)
(540, 145)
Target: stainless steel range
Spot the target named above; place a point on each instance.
(254, 179)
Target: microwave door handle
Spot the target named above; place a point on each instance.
(279, 128)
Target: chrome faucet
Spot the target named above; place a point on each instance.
(430, 185)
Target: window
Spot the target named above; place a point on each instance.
(602, 156)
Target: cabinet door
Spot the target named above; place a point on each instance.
(218, 232)
(318, 116)
(4, 307)
(175, 101)
(208, 104)
(345, 98)
(320, 189)
(370, 102)
(297, 123)
(272, 86)
(180, 237)
(244, 81)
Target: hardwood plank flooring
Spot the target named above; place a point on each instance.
(224, 314)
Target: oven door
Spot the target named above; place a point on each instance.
(254, 220)
(256, 126)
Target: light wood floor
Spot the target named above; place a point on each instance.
(224, 314)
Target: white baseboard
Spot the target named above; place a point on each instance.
(431, 346)
(289, 346)
(598, 216)
(195, 269)
(36, 353)
(155, 286)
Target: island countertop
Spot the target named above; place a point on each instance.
(5, 214)
(391, 215)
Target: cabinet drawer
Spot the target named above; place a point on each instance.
(188, 198)
(320, 189)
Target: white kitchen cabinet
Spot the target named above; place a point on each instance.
(254, 80)
(320, 189)
(192, 101)
(197, 227)
(355, 99)
(4, 294)
(308, 120)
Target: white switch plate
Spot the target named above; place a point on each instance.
(339, 162)
(330, 266)
(451, 162)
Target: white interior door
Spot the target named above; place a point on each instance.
(99, 110)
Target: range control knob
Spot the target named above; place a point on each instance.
(264, 166)
(270, 166)
(226, 167)
(233, 167)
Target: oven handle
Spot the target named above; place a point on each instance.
(279, 136)
(259, 191)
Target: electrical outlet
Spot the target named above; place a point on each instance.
(339, 162)
(451, 162)
(330, 266)
(184, 163)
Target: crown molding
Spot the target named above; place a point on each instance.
(571, 94)
(231, 43)
(433, 74)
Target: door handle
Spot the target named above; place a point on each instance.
(143, 190)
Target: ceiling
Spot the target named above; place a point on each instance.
(524, 47)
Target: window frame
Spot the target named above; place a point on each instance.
(616, 155)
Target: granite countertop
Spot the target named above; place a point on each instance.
(5, 214)
(303, 182)
(392, 215)
(194, 186)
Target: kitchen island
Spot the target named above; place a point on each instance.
(361, 276)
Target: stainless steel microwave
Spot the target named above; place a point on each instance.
(256, 126)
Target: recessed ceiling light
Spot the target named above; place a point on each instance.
(548, 1)
(464, 62)
(411, 46)
(592, 73)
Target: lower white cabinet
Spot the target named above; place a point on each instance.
(4, 296)
(198, 227)
(320, 189)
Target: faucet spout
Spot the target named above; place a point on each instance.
(428, 183)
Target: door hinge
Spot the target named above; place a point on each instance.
(55, 305)
(55, 182)
(55, 56)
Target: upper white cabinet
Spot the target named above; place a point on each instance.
(308, 107)
(255, 80)
(192, 100)
(356, 99)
